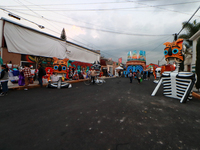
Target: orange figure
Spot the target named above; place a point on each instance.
(60, 66)
(174, 51)
(49, 72)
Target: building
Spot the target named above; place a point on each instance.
(194, 40)
(188, 60)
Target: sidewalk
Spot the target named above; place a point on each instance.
(195, 93)
(15, 86)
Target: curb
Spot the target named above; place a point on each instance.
(196, 95)
(44, 85)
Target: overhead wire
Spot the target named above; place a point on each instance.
(123, 33)
(188, 20)
(97, 3)
(111, 9)
(103, 30)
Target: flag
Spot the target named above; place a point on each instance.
(120, 60)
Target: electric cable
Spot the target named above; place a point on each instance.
(111, 9)
(188, 20)
(103, 30)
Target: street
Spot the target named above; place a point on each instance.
(117, 115)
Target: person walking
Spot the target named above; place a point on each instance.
(130, 75)
(4, 80)
(41, 73)
(27, 74)
(138, 76)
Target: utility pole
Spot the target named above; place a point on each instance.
(175, 36)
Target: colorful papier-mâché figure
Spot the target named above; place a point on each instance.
(176, 84)
(60, 66)
(174, 51)
(60, 69)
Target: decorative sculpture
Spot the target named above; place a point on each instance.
(49, 73)
(176, 84)
(60, 70)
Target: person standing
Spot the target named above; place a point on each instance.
(27, 74)
(145, 75)
(93, 74)
(119, 73)
(41, 73)
(149, 74)
(130, 75)
(4, 80)
(138, 76)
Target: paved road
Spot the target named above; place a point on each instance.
(115, 116)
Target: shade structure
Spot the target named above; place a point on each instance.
(24, 40)
(119, 68)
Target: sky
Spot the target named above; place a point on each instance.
(114, 27)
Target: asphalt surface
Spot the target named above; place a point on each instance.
(117, 115)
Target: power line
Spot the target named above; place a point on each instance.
(106, 9)
(163, 8)
(102, 30)
(188, 20)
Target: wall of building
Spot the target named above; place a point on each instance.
(14, 57)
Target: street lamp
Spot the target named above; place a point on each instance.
(19, 18)
(14, 16)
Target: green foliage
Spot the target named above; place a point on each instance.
(63, 35)
(191, 29)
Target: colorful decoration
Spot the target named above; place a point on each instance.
(142, 55)
(60, 66)
(134, 55)
(60, 69)
(138, 56)
(174, 51)
(176, 84)
(49, 73)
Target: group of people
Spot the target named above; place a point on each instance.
(26, 71)
(139, 76)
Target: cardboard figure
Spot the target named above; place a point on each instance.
(60, 70)
(176, 84)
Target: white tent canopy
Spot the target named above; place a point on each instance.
(119, 68)
(26, 41)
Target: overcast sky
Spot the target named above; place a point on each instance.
(114, 27)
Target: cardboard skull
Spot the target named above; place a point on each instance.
(174, 51)
(60, 66)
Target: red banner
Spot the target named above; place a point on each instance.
(120, 60)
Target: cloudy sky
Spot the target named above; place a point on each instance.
(114, 27)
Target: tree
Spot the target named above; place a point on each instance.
(63, 35)
(191, 29)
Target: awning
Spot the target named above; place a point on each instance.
(28, 41)
(119, 68)
(24, 41)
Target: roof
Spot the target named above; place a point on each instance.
(29, 28)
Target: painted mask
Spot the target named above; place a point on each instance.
(174, 51)
(60, 66)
